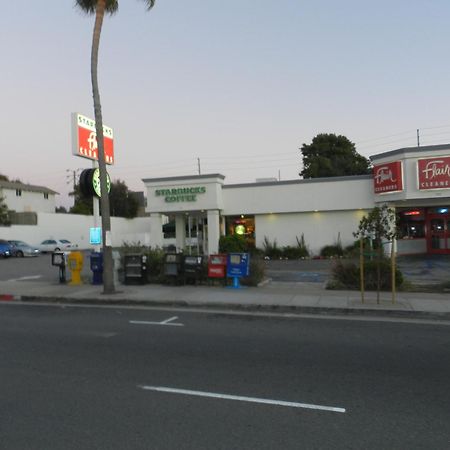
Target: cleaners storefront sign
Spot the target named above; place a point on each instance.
(434, 173)
(181, 194)
(388, 177)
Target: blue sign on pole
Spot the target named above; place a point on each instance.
(95, 236)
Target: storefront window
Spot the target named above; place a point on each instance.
(412, 224)
(243, 226)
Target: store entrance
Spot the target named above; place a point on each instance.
(438, 235)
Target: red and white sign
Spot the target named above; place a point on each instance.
(84, 139)
(388, 177)
(434, 173)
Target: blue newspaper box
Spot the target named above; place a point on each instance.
(97, 267)
(238, 266)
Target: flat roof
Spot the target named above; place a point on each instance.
(299, 181)
(400, 151)
(183, 177)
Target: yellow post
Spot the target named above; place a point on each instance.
(361, 267)
(75, 263)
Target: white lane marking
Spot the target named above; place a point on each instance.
(243, 399)
(29, 277)
(168, 322)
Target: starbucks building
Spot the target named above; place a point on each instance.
(415, 181)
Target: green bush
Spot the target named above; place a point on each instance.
(347, 275)
(332, 251)
(257, 272)
(271, 250)
(155, 259)
(233, 243)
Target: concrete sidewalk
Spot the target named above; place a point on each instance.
(301, 297)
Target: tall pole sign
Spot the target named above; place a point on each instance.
(84, 144)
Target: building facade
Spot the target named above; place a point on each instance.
(414, 181)
(21, 197)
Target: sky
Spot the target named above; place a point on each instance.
(234, 86)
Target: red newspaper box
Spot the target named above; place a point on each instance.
(217, 266)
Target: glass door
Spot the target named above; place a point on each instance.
(438, 234)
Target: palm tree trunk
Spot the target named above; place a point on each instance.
(108, 279)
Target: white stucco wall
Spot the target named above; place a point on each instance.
(319, 229)
(332, 194)
(28, 201)
(76, 227)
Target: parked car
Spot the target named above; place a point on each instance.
(5, 249)
(21, 249)
(54, 245)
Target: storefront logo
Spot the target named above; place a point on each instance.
(388, 177)
(434, 173)
(183, 194)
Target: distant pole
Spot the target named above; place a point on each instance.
(279, 175)
(199, 170)
(418, 138)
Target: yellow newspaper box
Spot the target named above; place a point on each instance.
(75, 263)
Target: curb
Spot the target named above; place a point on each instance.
(310, 310)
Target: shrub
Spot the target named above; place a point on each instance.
(331, 251)
(233, 243)
(272, 250)
(257, 272)
(347, 275)
(155, 259)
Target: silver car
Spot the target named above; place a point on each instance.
(54, 245)
(21, 249)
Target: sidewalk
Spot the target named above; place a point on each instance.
(283, 297)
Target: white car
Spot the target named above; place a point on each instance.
(55, 245)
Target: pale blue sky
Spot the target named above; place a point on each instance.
(239, 84)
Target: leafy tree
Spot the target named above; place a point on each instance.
(99, 8)
(329, 155)
(82, 204)
(3, 177)
(121, 200)
(379, 224)
(61, 210)
(122, 203)
(4, 216)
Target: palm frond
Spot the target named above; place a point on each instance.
(89, 6)
(150, 3)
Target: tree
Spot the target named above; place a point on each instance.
(122, 202)
(379, 224)
(4, 216)
(99, 8)
(329, 155)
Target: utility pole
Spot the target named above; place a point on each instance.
(72, 176)
(418, 138)
(198, 162)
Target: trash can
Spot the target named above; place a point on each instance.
(194, 271)
(97, 267)
(135, 268)
(59, 259)
(173, 267)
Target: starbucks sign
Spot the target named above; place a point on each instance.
(180, 194)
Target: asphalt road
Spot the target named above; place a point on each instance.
(73, 378)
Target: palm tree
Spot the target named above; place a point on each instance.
(99, 8)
